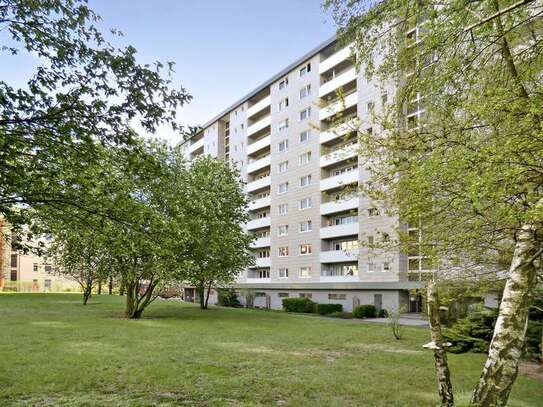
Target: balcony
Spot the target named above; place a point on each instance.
(338, 279)
(259, 164)
(259, 145)
(259, 125)
(339, 230)
(197, 145)
(339, 256)
(259, 223)
(339, 131)
(339, 206)
(262, 263)
(339, 155)
(349, 177)
(260, 242)
(258, 107)
(339, 105)
(335, 59)
(259, 184)
(340, 80)
(259, 203)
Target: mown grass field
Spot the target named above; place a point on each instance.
(54, 351)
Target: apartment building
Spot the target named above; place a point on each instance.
(292, 139)
(27, 272)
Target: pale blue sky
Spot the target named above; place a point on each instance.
(222, 48)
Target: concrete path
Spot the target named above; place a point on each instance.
(405, 319)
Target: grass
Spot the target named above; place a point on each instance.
(55, 351)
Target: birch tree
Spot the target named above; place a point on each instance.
(458, 151)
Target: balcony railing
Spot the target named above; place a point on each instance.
(259, 223)
(340, 80)
(339, 206)
(341, 154)
(259, 145)
(339, 230)
(259, 125)
(338, 106)
(335, 59)
(346, 178)
(258, 107)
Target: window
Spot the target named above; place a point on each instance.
(386, 237)
(305, 69)
(283, 84)
(306, 113)
(304, 136)
(306, 226)
(345, 245)
(344, 170)
(339, 270)
(262, 215)
(305, 272)
(283, 230)
(370, 240)
(305, 295)
(283, 146)
(304, 158)
(371, 266)
(384, 98)
(305, 203)
(343, 220)
(13, 260)
(283, 188)
(283, 104)
(369, 107)
(48, 268)
(283, 167)
(305, 91)
(282, 295)
(283, 273)
(263, 254)
(35, 267)
(283, 251)
(263, 274)
(386, 267)
(283, 125)
(373, 212)
(305, 180)
(283, 209)
(305, 249)
(260, 294)
(334, 296)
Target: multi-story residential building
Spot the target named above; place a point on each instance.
(313, 231)
(27, 272)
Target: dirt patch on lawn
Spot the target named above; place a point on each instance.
(531, 370)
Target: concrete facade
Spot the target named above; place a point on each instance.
(294, 140)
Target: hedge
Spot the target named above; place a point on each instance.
(365, 311)
(324, 309)
(344, 315)
(298, 305)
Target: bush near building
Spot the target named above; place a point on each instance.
(365, 311)
(298, 305)
(343, 315)
(324, 309)
(227, 297)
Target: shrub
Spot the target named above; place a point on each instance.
(227, 297)
(344, 315)
(324, 309)
(298, 305)
(383, 313)
(473, 333)
(365, 311)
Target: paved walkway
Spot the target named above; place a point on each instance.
(410, 319)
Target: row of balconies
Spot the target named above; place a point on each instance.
(331, 256)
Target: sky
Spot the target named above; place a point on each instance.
(223, 49)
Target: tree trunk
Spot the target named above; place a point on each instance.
(445, 388)
(201, 297)
(207, 294)
(501, 367)
(99, 287)
(110, 286)
(86, 294)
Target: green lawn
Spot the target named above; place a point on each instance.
(55, 351)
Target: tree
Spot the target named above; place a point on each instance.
(459, 150)
(85, 94)
(77, 254)
(218, 248)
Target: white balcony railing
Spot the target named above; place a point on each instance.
(339, 256)
(335, 59)
(259, 203)
(262, 263)
(340, 130)
(339, 206)
(259, 223)
(339, 105)
(258, 107)
(259, 184)
(339, 155)
(341, 80)
(197, 145)
(259, 164)
(339, 230)
(347, 178)
(260, 242)
(259, 125)
(258, 145)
